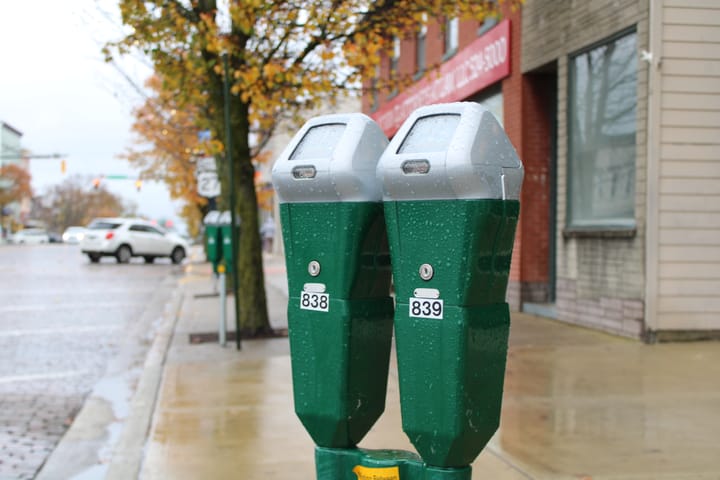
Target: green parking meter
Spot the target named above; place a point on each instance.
(451, 183)
(213, 251)
(339, 307)
(226, 250)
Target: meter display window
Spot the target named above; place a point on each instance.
(318, 142)
(430, 134)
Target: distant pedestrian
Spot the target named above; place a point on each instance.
(267, 232)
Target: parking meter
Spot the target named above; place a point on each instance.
(451, 183)
(213, 250)
(339, 307)
(225, 227)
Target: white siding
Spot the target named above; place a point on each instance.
(687, 244)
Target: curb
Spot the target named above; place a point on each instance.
(128, 453)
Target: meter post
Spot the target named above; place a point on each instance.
(222, 327)
(451, 182)
(339, 308)
(213, 250)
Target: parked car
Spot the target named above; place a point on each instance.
(73, 234)
(124, 238)
(31, 236)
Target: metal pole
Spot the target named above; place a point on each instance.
(233, 222)
(223, 307)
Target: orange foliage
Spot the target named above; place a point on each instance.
(18, 187)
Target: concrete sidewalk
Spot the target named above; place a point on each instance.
(578, 404)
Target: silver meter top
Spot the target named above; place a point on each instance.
(225, 218)
(450, 151)
(212, 218)
(331, 158)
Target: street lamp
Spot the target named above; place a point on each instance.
(224, 23)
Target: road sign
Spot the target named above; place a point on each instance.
(208, 184)
(205, 164)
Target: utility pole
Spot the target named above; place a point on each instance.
(233, 220)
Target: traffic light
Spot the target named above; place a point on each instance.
(63, 166)
(96, 183)
(138, 185)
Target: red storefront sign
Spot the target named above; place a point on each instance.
(480, 64)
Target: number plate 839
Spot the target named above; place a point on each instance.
(426, 308)
(315, 301)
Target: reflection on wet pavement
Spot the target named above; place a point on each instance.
(578, 405)
(236, 421)
(583, 404)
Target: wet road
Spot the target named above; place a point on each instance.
(62, 320)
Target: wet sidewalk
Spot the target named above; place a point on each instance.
(578, 404)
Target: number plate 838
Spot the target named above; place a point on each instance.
(315, 301)
(426, 308)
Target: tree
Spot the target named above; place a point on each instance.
(166, 145)
(283, 58)
(74, 202)
(14, 186)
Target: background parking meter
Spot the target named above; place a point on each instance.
(339, 308)
(451, 183)
(225, 231)
(213, 250)
(225, 227)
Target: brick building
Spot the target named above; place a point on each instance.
(613, 108)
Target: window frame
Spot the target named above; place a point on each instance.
(394, 64)
(622, 227)
(451, 38)
(421, 48)
(488, 23)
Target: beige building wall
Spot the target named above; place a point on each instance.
(600, 276)
(683, 247)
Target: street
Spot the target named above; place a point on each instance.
(63, 321)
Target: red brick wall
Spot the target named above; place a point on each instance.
(434, 50)
(434, 44)
(527, 125)
(512, 118)
(536, 189)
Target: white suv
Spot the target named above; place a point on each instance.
(124, 238)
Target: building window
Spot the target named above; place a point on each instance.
(374, 96)
(394, 65)
(395, 59)
(492, 99)
(420, 46)
(602, 104)
(490, 20)
(451, 37)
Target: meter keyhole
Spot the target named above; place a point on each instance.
(314, 268)
(426, 271)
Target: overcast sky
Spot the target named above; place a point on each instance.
(56, 89)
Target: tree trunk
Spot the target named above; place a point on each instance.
(250, 288)
(250, 284)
